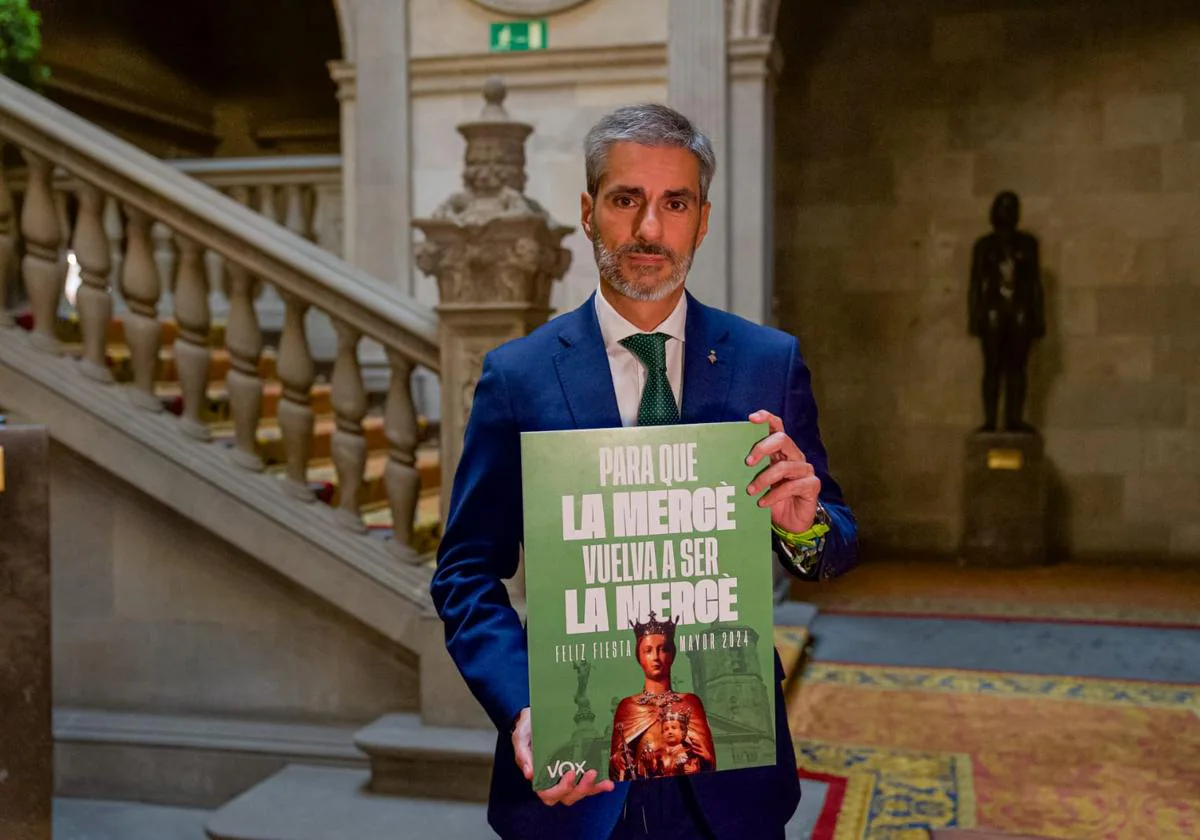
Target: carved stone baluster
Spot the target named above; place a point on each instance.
(349, 443)
(269, 302)
(62, 201)
(42, 266)
(267, 205)
(296, 371)
(295, 218)
(166, 260)
(191, 348)
(140, 287)
(114, 230)
(93, 299)
(243, 339)
(401, 477)
(8, 242)
(218, 293)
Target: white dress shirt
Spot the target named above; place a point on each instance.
(628, 372)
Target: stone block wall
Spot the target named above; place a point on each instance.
(154, 614)
(897, 124)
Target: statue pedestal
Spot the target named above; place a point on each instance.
(26, 754)
(1004, 500)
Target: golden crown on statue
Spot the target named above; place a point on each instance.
(654, 627)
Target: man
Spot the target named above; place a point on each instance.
(639, 351)
(641, 721)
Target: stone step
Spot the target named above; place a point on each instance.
(318, 803)
(98, 819)
(69, 330)
(411, 759)
(217, 408)
(191, 761)
(119, 360)
(270, 437)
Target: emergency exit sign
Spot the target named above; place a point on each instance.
(519, 36)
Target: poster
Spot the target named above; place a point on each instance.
(648, 588)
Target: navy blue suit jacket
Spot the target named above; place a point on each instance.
(558, 377)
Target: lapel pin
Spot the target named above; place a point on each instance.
(712, 357)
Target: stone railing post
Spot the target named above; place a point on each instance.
(495, 254)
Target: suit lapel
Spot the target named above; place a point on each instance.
(583, 371)
(707, 366)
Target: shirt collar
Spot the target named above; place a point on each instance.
(614, 327)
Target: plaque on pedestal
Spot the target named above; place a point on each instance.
(26, 747)
(1004, 499)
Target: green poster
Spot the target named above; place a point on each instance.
(648, 584)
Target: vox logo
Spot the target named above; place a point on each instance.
(561, 768)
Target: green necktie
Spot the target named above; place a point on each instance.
(658, 406)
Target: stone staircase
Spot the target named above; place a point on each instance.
(216, 413)
(252, 441)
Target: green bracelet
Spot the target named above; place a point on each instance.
(805, 539)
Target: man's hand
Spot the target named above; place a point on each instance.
(792, 482)
(566, 792)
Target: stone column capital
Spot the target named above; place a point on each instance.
(345, 76)
(759, 57)
(751, 18)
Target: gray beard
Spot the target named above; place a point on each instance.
(609, 264)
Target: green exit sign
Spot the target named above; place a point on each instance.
(519, 36)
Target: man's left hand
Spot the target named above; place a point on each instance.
(792, 484)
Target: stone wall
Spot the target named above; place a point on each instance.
(152, 613)
(897, 124)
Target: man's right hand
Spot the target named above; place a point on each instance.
(566, 792)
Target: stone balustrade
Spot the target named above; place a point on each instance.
(116, 210)
(301, 192)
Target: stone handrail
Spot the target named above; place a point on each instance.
(301, 192)
(113, 180)
(252, 171)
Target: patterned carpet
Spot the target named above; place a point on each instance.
(1058, 757)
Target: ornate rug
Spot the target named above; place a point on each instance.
(1057, 757)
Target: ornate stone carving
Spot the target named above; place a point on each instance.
(495, 254)
(490, 243)
(528, 8)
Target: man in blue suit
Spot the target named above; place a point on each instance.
(639, 351)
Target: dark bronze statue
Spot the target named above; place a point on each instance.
(1006, 311)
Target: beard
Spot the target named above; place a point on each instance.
(640, 283)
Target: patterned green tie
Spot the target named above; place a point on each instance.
(658, 406)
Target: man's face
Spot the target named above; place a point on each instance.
(672, 732)
(646, 220)
(655, 655)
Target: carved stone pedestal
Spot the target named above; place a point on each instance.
(1004, 500)
(466, 333)
(26, 746)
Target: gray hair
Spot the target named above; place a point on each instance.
(649, 124)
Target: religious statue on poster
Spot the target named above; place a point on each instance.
(1006, 311)
(660, 732)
